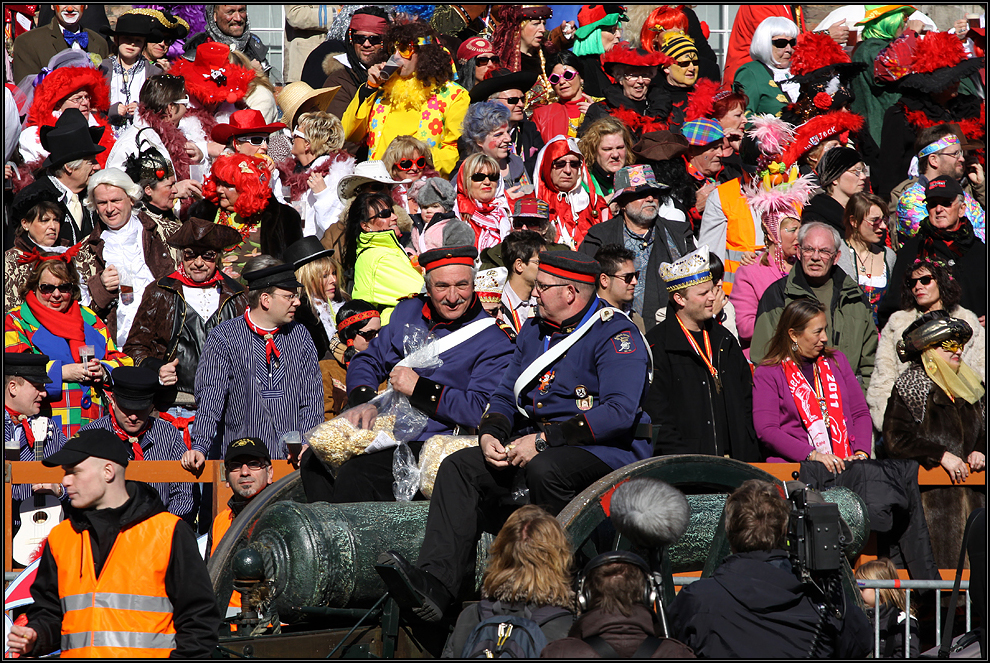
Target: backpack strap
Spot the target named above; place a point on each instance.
(647, 647)
(602, 648)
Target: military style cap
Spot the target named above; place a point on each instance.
(251, 447)
(279, 276)
(27, 365)
(92, 443)
(448, 255)
(570, 265)
(687, 271)
(134, 387)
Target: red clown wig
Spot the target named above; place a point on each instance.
(248, 175)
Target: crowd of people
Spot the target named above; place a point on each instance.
(617, 249)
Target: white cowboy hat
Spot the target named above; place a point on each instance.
(364, 172)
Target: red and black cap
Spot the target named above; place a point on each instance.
(448, 255)
(570, 265)
(943, 188)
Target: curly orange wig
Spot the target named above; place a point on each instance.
(248, 175)
(661, 19)
(63, 83)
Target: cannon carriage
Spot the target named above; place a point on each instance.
(311, 566)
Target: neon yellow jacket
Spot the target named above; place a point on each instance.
(382, 272)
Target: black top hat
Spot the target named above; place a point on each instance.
(501, 80)
(279, 276)
(134, 387)
(27, 365)
(203, 234)
(71, 138)
(305, 250)
(95, 443)
(251, 447)
(136, 25)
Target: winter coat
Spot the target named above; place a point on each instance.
(680, 400)
(623, 634)
(555, 628)
(889, 366)
(825, 209)
(922, 423)
(36, 47)
(969, 270)
(751, 282)
(668, 101)
(892, 631)
(382, 272)
(778, 422)
(871, 97)
(754, 606)
(655, 294)
(757, 82)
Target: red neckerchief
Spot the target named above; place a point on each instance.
(181, 277)
(67, 325)
(182, 423)
(134, 440)
(22, 419)
(269, 337)
(697, 174)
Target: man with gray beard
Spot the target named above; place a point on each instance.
(640, 228)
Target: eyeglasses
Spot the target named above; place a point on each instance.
(383, 214)
(952, 346)
(368, 334)
(407, 164)
(543, 287)
(683, 64)
(640, 75)
(79, 98)
(374, 40)
(610, 28)
(184, 101)
(568, 75)
(859, 172)
(957, 154)
(191, 254)
(825, 254)
(483, 60)
(481, 177)
(511, 101)
(923, 280)
(628, 278)
(48, 288)
(254, 140)
(288, 296)
(561, 164)
(783, 43)
(254, 465)
(297, 133)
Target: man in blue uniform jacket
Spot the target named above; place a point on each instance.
(567, 412)
(475, 352)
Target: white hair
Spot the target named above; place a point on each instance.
(111, 177)
(760, 48)
(818, 225)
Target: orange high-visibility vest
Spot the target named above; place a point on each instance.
(124, 613)
(220, 526)
(740, 236)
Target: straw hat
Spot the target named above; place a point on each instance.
(295, 95)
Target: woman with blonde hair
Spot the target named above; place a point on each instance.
(408, 160)
(892, 609)
(528, 575)
(260, 91)
(319, 163)
(477, 205)
(607, 146)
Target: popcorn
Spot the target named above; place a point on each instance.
(434, 451)
(337, 441)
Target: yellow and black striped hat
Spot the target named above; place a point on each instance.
(676, 44)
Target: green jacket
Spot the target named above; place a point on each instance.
(872, 98)
(851, 329)
(382, 273)
(765, 95)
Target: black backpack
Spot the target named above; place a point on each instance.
(510, 636)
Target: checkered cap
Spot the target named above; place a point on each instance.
(702, 131)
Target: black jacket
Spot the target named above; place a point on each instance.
(280, 224)
(753, 606)
(969, 270)
(680, 400)
(187, 583)
(826, 209)
(655, 294)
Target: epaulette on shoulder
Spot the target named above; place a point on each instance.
(507, 328)
(412, 295)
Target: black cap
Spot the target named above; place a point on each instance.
(93, 442)
(448, 255)
(279, 276)
(305, 250)
(251, 447)
(134, 387)
(570, 265)
(27, 365)
(943, 187)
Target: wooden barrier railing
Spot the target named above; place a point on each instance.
(213, 473)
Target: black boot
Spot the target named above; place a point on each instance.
(413, 588)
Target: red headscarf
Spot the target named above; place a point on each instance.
(562, 214)
(487, 220)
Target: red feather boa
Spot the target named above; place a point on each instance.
(298, 183)
(701, 99)
(638, 124)
(173, 139)
(974, 127)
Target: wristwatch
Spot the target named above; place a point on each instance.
(541, 444)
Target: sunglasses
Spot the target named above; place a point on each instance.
(782, 43)
(561, 164)
(406, 52)
(952, 346)
(383, 214)
(628, 278)
(374, 40)
(610, 28)
(512, 101)
(191, 254)
(568, 75)
(234, 466)
(923, 280)
(483, 60)
(407, 164)
(683, 64)
(49, 288)
(481, 177)
(254, 140)
(368, 334)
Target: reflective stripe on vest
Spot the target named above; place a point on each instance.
(220, 526)
(740, 234)
(125, 613)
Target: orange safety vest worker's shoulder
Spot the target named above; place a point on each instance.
(220, 526)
